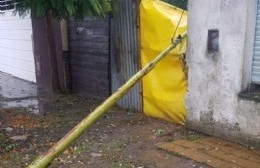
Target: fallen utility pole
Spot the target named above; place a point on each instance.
(59, 147)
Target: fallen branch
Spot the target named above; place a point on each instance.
(45, 160)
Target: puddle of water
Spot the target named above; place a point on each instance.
(32, 105)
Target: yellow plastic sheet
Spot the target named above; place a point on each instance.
(164, 88)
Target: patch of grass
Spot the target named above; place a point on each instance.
(5, 144)
(80, 148)
(115, 144)
(158, 132)
(9, 147)
(193, 137)
(15, 157)
(130, 112)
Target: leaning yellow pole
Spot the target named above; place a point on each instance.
(45, 160)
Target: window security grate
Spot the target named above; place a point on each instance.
(256, 56)
(6, 5)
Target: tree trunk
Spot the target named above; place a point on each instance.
(52, 50)
(44, 161)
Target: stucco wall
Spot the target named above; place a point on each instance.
(216, 79)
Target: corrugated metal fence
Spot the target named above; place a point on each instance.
(124, 51)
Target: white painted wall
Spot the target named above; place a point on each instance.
(216, 79)
(16, 49)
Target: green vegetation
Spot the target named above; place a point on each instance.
(15, 157)
(158, 132)
(193, 137)
(65, 8)
(179, 3)
(115, 144)
(5, 144)
(81, 148)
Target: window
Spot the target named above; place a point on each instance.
(6, 5)
(256, 54)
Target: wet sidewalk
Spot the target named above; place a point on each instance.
(214, 152)
(15, 92)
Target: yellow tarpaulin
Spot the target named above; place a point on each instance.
(163, 88)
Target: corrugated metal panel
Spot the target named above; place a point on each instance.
(256, 57)
(124, 51)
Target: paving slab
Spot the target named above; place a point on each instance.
(214, 152)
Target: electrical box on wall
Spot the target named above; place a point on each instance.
(213, 40)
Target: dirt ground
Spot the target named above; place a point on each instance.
(120, 138)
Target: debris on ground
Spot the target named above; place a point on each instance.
(120, 139)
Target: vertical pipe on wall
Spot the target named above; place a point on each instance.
(64, 35)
